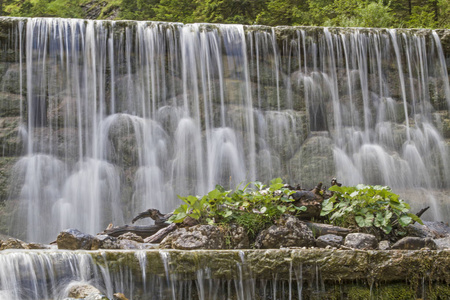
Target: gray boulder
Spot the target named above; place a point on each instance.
(361, 241)
(196, 237)
(12, 243)
(443, 243)
(332, 240)
(73, 239)
(238, 238)
(384, 245)
(429, 229)
(414, 243)
(293, 233)
(85, 291)
(132, 237)
(108, 242)
(439, 228)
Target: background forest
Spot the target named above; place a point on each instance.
(353, 13)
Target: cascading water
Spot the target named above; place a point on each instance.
(104, 119)
(284, 274)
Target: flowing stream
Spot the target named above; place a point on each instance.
(104, 119)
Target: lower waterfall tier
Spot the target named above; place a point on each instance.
(209, 274)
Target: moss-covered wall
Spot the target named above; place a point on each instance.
(318, 273)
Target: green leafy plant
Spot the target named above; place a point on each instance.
(254, 206)
(367, 206)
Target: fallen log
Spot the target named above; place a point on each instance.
(153, 213)
(143, 231)
(319, 229)
(422, 211)
(161, 234)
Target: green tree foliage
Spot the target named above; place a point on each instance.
(443, 14)
(138, 9)
(176, 11)
(359, 13)
(354, 13)
(63, 8)
(422, 17)
(284, 12)
(229, 11)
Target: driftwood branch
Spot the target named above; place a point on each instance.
(161, 234)
(422, 211)
(322, 229)
(154, 214)
(143, 231)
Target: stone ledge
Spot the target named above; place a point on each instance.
(333, 265)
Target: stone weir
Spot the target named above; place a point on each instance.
(227, 274)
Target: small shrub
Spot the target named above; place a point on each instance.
(367, 206)
(250, 207)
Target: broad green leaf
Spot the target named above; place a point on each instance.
(259, 185)
(276, 181)
(369, 219)
(336, 215)
(220, 188)
(284, 199)
(404, 220)
(301, 208)
(336, 188)
(378, 222)
(360, 221)
(178, 218)
(195, 215)
(214, 194)
(228, 213)
(239, 192)
(387, 229)
(276, 184)
(181, 209)
(281, 208)
(387, 218)
(415, 218)
(327, 207)
(190, 200)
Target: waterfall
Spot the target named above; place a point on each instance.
(284, 274)
(104, 119)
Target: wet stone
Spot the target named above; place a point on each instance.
(73, 239)
(384, 245)
(293, 233)
(414, 243)
(108, 242)
(361, 241)
(238, 238)
(443, 243)
(196, 237)
(86, 292)
(331, 240)
(132, 237)
(12, 244)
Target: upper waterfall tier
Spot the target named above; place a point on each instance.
(103, 119)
